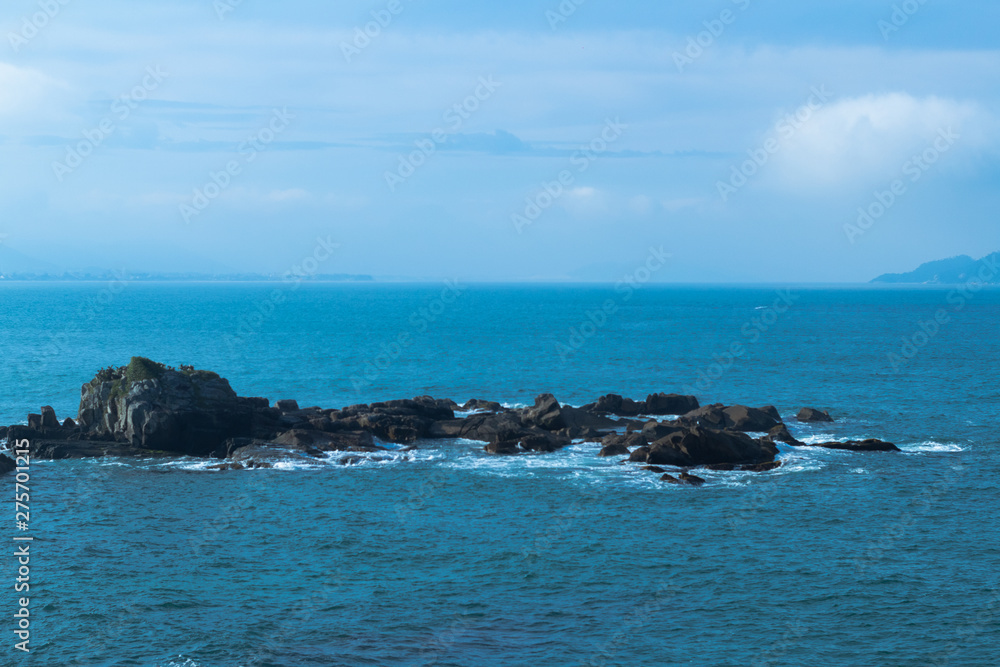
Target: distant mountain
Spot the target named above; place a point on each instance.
(945, 271)
(12, 261)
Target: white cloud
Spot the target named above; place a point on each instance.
(870, 137)
(23, 90)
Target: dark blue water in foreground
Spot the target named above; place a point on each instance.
(447, 556)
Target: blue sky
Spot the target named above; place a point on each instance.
(648, 131)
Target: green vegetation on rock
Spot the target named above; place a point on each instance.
(141, 368)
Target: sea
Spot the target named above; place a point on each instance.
(445, 555)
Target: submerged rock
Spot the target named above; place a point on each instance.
(870, 445)
(762, 467)
(684, 478)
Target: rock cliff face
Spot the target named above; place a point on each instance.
(152, 407)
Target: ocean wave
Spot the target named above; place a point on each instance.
(187, 662)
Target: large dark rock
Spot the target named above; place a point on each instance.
(480, 404)
(485, 427)
(318, 441)
(771, 412)
(780, 433)
(734, 418)
(546, 414)
(639, 455)
(399, 421)
(547, 419)
(653, 431)
(49, 419)
(620, 444)
(742, 418)
(870, 445)
(616, 405)
(700, 446)
(152, 407)
(55, 444)
(670, 404)
(813, 415)
(708, 416)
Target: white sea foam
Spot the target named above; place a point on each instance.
(931, 446)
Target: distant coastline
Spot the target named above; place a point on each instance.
(951, 271)
(95, 276)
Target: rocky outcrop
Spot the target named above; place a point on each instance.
(616, 405)
(771, 412)
(813, 415)
(148, 409)
(780, 434)
(152, 407)
(670, 404)
(654, 405)
(547, 414)
(734, 417)
(702, 446)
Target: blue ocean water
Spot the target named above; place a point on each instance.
(448, 556)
